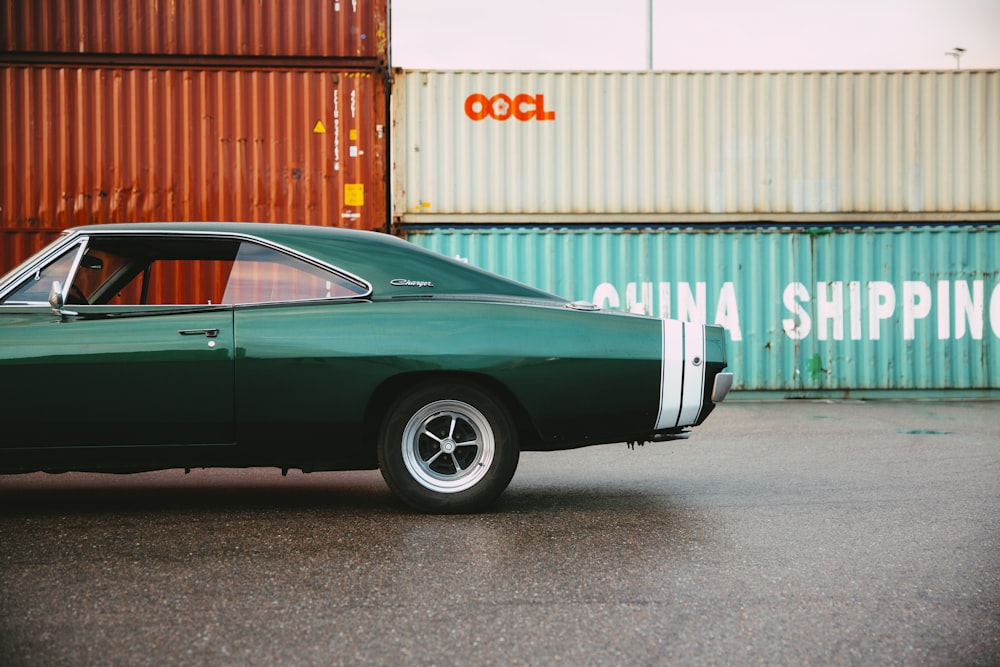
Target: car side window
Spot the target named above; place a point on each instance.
(174, 270)
(141, 270)
(265, 275)
(36, 288)
(137, 269)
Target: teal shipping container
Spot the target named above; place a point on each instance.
(863, 311)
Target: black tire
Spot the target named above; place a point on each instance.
(447, 448)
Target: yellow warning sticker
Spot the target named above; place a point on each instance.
(319, 127)
(354, 135)
(354, 194)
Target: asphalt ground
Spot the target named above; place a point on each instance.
(784, 533)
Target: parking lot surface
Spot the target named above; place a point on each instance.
(781, 533)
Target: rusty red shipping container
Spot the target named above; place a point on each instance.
(16, 245)
(140, 110)
(263, 28)
(88, 145)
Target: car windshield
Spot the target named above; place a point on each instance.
(35, 289)
(31, 260)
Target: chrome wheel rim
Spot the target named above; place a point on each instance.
(448, 446)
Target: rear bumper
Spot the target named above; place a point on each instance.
(720, 388)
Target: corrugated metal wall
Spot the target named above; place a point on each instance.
(303, 28)
(264, 111)
(728, 146)
(16, 245)
(809, 311)
(84, 145)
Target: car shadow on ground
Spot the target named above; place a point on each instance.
(165, 492)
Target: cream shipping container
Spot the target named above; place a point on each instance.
(663, 147)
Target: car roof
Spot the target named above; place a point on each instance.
(392, 265)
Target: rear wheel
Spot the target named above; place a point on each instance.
(447, 448)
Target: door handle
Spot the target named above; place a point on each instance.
(208, 333)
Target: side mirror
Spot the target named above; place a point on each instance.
(57, 301)
(56, 296)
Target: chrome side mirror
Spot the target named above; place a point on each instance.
(58, 301)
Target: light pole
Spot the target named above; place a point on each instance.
(957, 55)
(649, 34)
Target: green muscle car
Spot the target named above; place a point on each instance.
(134, 347)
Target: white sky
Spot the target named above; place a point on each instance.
(695, 35)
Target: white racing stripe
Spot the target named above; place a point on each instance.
(671, 374)
(694, 373)
(682, 374)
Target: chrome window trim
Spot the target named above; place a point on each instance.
(235, 236)
(84, 240)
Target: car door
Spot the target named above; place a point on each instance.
(119, 375)
(112, 376)
(289, 368)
